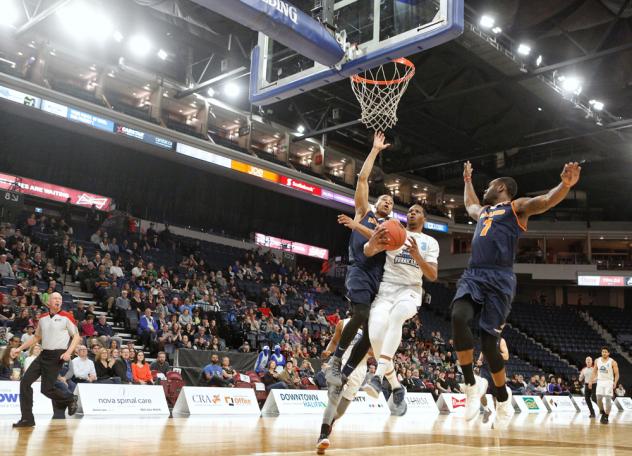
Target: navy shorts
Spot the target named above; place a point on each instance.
(362, 286)
(493, 290)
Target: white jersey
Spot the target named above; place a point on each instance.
(605, 372)
(400, 268)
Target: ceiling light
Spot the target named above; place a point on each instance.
(85, 21)
(497, 30)
(10, 14)
(300, 129)
(162, 54)
(538, 61)
(210, 92)
(539, 109)
(487, 22)
(118, 36)
(524, 49)
(139, 45)
(596, 104)
(571, 84)
(232, 90)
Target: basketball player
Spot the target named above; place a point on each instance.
(337, 406)
(398, 300)
(485, 378)
(606, 371)
(363, 274)
(488, 284)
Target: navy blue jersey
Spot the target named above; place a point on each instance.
(363, 274)
(495, 241)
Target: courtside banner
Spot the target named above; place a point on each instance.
(421, 403)
(624, 404)
(455, 403)
(560, 404)
(580, 403)
(530, 404)
(314, 402)
(195, 400)
(103, 399)
(10, 399)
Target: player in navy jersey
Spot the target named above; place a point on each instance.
(488, 284)
(363, 274)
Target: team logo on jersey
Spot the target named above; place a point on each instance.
(405, 258)
(456, 403)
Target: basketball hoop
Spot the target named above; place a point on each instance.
(379, 90)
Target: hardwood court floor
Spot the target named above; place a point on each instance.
(353, 435)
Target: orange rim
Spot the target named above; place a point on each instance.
(402, 61)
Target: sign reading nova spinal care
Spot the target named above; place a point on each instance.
(582, 405)
(624, 404)
(101, 399)
(216, 401)
(10, 399)
(560, 404)
(603, 281)
(530, 404)
(421, 403)
(54, 192)
(313, 402)
(289, 246)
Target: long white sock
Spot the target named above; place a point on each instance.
(382, 366)
(391, 376)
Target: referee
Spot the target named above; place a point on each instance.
(586, 376)
(54, 332)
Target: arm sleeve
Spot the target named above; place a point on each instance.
(432, 253)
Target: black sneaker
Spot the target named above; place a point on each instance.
(72, 407)
(374, 387)
(592, 415)
(399, 403)
(24, 424)
(605, 419)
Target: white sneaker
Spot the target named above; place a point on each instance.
(473, 401)
(504, 412)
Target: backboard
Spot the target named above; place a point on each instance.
(371, 32)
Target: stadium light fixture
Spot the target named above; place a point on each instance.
(162, 54)
(232, 90)
(10, 14)
(571, 84)
(139, 45)
(487, 21)
(118, 36)
(596, 105)
(538, 61)
(300, 129)
(210, 92)
(524, 49)
(497, 30)
(85, 21)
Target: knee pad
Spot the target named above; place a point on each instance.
(361, 312)
(489, 347)
(462, 313)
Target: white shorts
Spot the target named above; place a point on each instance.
(391, 295)
(605, 388)
(355, 380)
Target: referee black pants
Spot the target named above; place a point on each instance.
(590, 394)
(47, 366)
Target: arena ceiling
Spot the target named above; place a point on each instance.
(466, 102)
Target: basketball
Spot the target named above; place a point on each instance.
(396, 234)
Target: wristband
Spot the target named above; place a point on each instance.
(467, 179)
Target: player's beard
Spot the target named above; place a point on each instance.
(490, 198)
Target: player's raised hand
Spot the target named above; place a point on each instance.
(380, 239)
(347, 221)
(570, 174)
(378, 141)
(467, 171)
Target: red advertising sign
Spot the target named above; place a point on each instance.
(54, 192)
(456, 403)
(293, 247)
(300, 185)
(603, 281)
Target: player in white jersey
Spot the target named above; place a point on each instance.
(606, 373)
(337, 405)
(398, 300)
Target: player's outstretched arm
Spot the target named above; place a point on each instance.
(333, 343)
(472, 204)
(362, 187)
(526, 207)
(355, 225)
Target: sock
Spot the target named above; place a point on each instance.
(392, 379)
(325, 429)
(382, 366)
(501, 393)
(340, 351)
(348, 369)
(468, 374)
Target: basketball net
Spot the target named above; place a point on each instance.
(379, 90)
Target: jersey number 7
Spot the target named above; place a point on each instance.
(488, 224)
